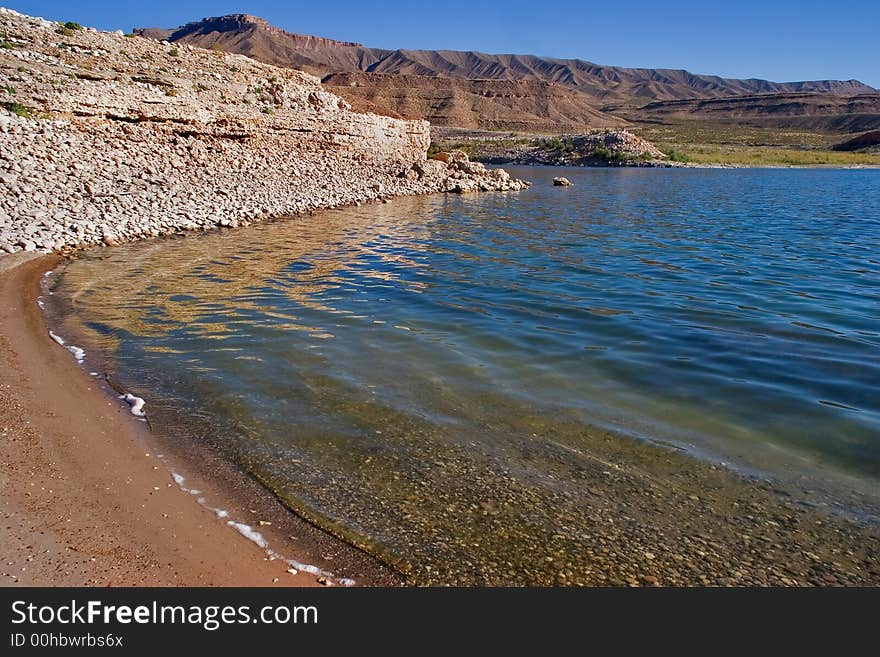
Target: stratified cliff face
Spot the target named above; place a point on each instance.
(518, 105)
(109, 138)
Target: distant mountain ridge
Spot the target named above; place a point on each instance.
(470, 78)
(254, 36)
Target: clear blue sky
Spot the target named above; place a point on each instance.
(782, 40)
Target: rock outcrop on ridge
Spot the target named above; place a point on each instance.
(108, 138)
(602, 148)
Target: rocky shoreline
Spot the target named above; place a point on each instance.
(603, 148)
(108, 138)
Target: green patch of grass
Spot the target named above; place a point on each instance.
(174, 52)
(5, 45)
(22, 69)
(267, 110)
(773, 156)
(604, 153)
(64, 31)
(70, 25)
(130, 35)
(706, 142)
(19, 109)
(9, 90)
(675, 155)
(198, 86)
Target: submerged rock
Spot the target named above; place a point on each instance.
(560, 181)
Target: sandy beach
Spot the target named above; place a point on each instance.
(86, 499)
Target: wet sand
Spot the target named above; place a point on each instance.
(87, 500)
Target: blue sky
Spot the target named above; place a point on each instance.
(783, 41)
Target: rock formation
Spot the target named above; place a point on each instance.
(106, 138)
(605, 148)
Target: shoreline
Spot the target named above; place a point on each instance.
(158, 537)
(90, 501)
(93, 498)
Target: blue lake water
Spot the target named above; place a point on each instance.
(371, 365)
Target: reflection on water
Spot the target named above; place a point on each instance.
(423, 375)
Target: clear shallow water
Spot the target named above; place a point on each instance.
(407, 373)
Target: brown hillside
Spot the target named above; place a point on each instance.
(527, 92)
(822, 112)
(255, 37)
(518, 105)
(869, 140)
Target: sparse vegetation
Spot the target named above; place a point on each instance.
(64, 31)
(170, 92)
(267, 110)
(19, 109)
(604, 153)
(5, 45)
(72, 26)
(554, 144)
(9, 90)
(772, 156)
(198, 86)
(705, 142)
(174, 52)
(675, 155)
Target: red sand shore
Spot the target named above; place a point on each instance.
(85, 499)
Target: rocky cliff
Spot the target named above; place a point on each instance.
(108, 138)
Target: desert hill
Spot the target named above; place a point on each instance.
(527, 92)
(806, 111)
(510, 105)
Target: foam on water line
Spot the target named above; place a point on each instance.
(256, 537)
(45, 283)
(249, 533)
(136, 403)
(78, 353)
